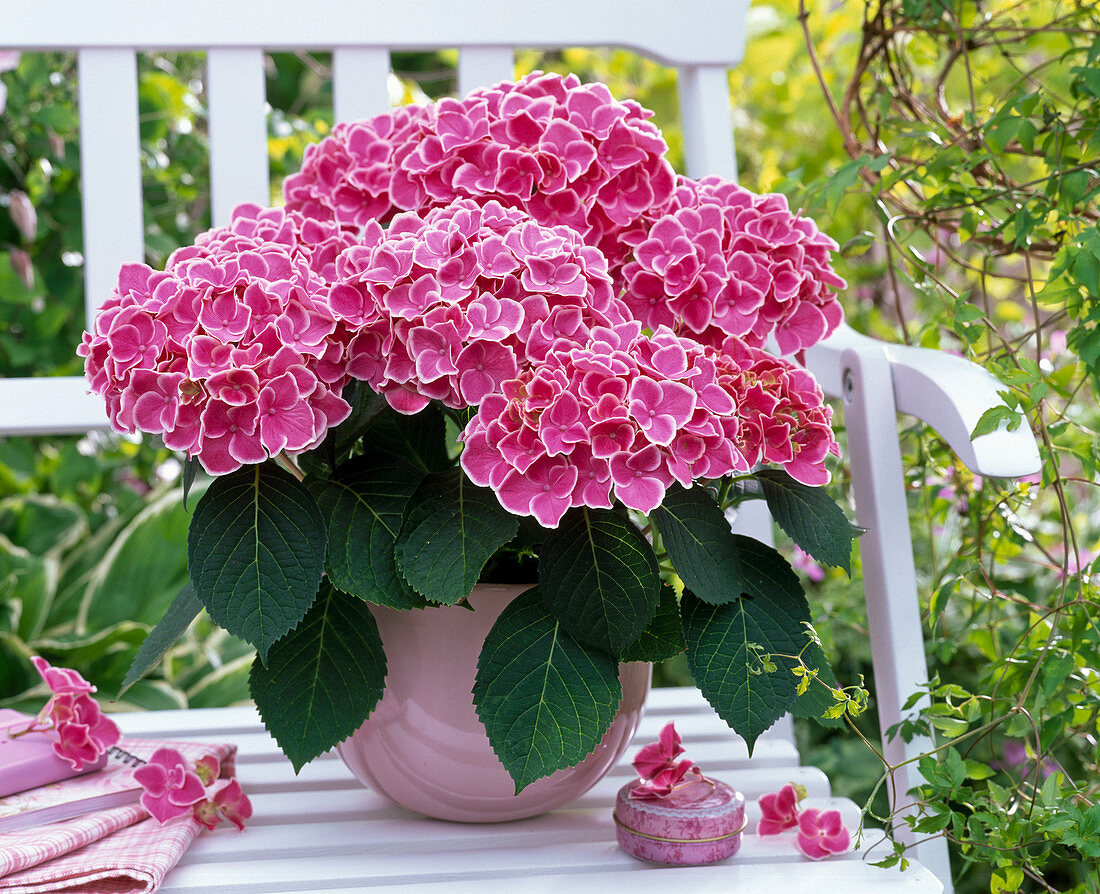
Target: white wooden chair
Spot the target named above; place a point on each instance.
(701, 38)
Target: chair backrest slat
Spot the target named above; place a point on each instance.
(695, 32)
(237, 110)
(360, 78)
(708, 130)
(110, 169)
(484, 66)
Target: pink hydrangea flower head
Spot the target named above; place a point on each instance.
(83, 732)
(562, 151)
(482, 291)
(628, 413)
(717, 260)
(61, 680)
(231, 353)
(171, 787)
(779, 810)
(822, 833)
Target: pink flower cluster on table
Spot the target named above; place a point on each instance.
(228, 354)
(658, 769)
(565, 152)
(449, 306)
(819, 833)
(83, 731)
(719, 260)
(172, 788)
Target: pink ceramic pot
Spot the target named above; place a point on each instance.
(423, 746)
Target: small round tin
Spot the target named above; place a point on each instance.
(698, 823)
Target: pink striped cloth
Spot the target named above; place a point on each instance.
(117, 851)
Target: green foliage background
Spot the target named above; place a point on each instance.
(950, 146)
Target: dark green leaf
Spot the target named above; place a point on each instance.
(810, 517)
(419, 439)
(256, 552)
(190, 472)
(599, 577)
(363, 504)
(700, 543)
(450, 530)
(664, 637)
(323, 679)
(545, 699)
(724, 648)
(183, 610)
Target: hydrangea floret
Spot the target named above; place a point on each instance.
(501, 322)
(817, 833)
(173, 787)
(81, 732)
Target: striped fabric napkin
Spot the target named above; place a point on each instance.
(117, 851)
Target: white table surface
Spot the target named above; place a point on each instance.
(322, 831)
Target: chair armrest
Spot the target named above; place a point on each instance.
(948, 392)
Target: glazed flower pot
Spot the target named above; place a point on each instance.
(423, 746)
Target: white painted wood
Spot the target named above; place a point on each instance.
(707, 123)
(49, 406)
(237, 112)
(484, 66)
(321, 832)
(889, 574)
(359, 82)
(110, 169)
(949, 393)
(695, 32)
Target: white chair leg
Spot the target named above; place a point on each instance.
(889, 575)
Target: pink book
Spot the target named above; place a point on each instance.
(28, 761)
(112, 786)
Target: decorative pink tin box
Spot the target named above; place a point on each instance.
(700, 822)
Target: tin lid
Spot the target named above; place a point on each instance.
(703, 810)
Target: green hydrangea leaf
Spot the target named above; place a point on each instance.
(698, 539)
(717, 565)
(450, 530)
(323, 679)
(664, 637)
(545, 699)
(256, 553)
(363, 503)
(419, 439)
(598, 576)
(183, 610)
(811, 518)
(726, 647)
